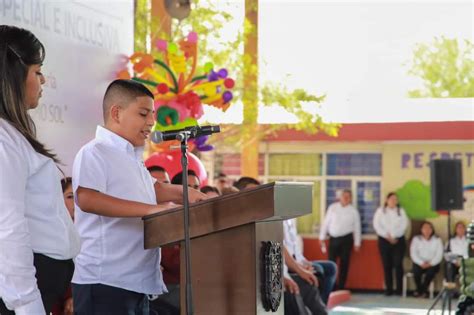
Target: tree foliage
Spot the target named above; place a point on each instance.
(445, 67)
(208, 21)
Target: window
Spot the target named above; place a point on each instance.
(368, 200)
(358, 164)
(294, 164)
(359, 172)
(299, 167)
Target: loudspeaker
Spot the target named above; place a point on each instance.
(446, 185)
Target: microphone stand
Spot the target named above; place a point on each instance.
(183, 138)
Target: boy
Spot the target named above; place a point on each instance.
(113, 189)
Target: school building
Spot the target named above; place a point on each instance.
(371, 159)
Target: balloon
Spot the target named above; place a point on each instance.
(162, 88)
(213, 76)
(222, 73)
(172, 48)
(179, 91)
(193, 37)
(208, 67)
(201, 145)
(162, 45)
(124, 74)
(229, 83)
(167, 116)
(183, 112)
(227, 96)
(188, 122)
(171, 162)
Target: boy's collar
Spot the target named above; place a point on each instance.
(117, 141)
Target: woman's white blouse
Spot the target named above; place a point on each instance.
(33, 219)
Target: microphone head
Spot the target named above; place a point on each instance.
(156, 137)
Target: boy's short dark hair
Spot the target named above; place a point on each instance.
(207, 189)
(123, 92)
(243, 182)
(65, 183)
(178, 178)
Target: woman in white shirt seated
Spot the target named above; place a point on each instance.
(390, 224)
(426, 252)
(458, 244)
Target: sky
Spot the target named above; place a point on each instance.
(356, 53)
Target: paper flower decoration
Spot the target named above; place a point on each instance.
(179, 91)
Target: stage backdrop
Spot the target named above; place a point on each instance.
(86, 42)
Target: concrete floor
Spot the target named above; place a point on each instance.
(378, 304)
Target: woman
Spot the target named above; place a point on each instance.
(390, 224)
(426, 252)
(37, 236)
(458, 244)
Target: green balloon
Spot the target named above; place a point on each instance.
(208, 67)
(172, 48)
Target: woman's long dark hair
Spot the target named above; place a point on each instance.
(390, 194)
(19, 49)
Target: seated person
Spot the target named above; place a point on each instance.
(246, 183)
(222, 182)
(325, 270)
(229, 190)
(304, 298)
(210, 191)
(193, 179)
(168, 303)
(458, 244)
(426, 252)
(65, 307)
(159, 173)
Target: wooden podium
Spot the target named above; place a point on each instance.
(229, 238)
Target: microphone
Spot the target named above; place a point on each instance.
(193, 132)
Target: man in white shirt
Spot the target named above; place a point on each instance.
(113, 190)
(342, 223)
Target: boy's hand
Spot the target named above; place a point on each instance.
(195, 195)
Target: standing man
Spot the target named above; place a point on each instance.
(342, 223)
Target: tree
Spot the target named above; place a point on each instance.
(208, 21)
(445, 67)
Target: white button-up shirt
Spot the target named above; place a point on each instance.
(113, 248)
(33, 219)
(390, 221)
(459, 246)
(429, 251)
(291, 240)
(340, 221)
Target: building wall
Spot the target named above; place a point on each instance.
(405, 168)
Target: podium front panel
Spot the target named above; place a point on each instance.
(226, 270)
